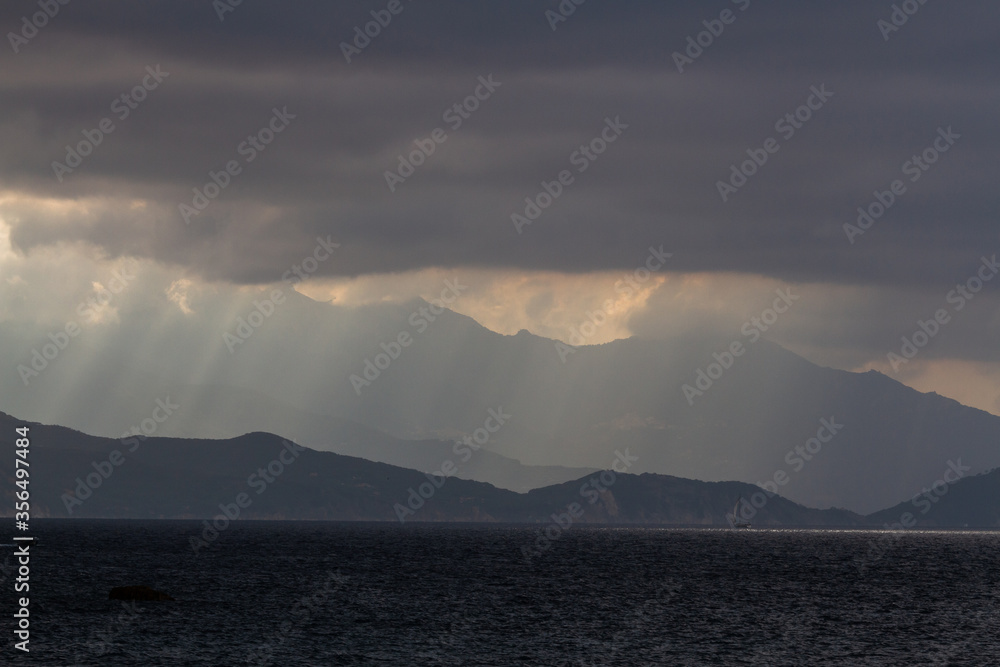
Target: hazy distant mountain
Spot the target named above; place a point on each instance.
(210, 411)
(77, 475)
(571, 409)
(972, 502)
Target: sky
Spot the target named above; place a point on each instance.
(660, 168)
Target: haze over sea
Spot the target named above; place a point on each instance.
(303, 593)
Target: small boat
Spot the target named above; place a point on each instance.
(734, 520)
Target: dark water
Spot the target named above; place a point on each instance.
(363, 594)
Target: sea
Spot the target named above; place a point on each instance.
(308, 593)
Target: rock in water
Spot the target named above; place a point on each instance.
(136, 593)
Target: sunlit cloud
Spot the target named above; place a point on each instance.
(178, 294)
(51, 283)
(546, 303)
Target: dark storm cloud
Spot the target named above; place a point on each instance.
(323, 174)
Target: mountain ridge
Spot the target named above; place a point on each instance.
(567, 411)
(173, 478)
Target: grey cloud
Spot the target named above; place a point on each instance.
(324, 173)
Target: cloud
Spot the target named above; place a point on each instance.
(178, 293)
(324, 174)
(548, 304)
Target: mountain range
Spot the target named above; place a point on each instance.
(264, 476)
(337, 379)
